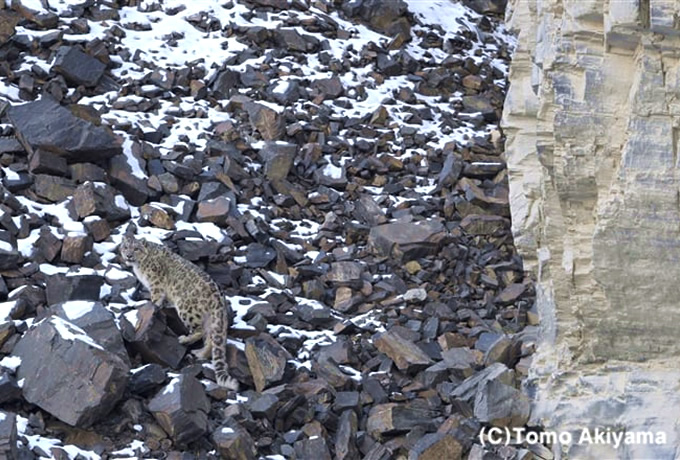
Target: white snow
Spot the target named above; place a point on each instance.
(74, 309)
(6, 309)
(10, 362)
(70, 331)
(170, 387)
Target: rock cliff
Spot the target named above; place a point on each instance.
(592, 123)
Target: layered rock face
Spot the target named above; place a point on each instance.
(592, 123)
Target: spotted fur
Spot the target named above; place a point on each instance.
(196, 297)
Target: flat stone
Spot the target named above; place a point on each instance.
(313, 447)
(98, 229)
(9, 390)
(8, 435)
(510, 294)
(331, 88)
(278, 158)
(45, 124)
(181, 409)
(405, 354)
(133, 188)
(98, 322)
(77, 67)
(146, 379)
(501, 405)
(62, 288)
(368, 211)
(345, 438)
(394, 418)
(53, 188)
(157, 216)
(100, 200)
(215, 210)
(436, 446)
(234, 442)
(149, 336)
(266, 360)
(407, 241)
(346, 273)
(266, 121)
(259, 255)
(73, 248)
(44, 162)
(85, 380)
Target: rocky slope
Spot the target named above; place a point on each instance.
(335, 166)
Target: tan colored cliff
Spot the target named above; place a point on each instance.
(592, 120)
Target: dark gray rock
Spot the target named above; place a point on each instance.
(368, 211)
(146, 378)
(346, 273)
(394, 418)
(345, 439)
(77, 67)
(9, 391)
(45, 124)
(266, 121)
(133, 188)
(436, 446)
(100, 200)
(292, 40)
(487, 6)
(501, 405)
(10, 259)
(181, 409)
(405, 354)
(96, 321)
(331, 176)
(62, 288)
(150, 336)
(479, 224)
(467, 390)
(214, 210)
(53, 188)
(407, 241)
(453, 166)
(278, 159)
(331, 88)
(259, 255)
(312, 447)
(44, 162)
(234, 442)
(84, 382)
(266, 360)
(8, 435)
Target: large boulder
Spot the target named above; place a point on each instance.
(68, 374)
(47, 125)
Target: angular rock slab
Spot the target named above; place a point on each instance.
(501, 405)
(77, 67)
(96, 321)
(8, 435)
(266, 360)
(234, 442)
(151, 337)
(47, 125)
(405, 354)
(407, 240)
(391, 418)
(436, 446)
(68, 374)
(181, 409)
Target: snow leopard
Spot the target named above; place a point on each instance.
(191, 291)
